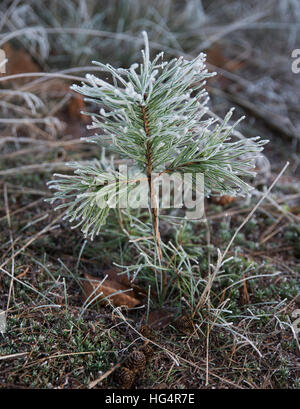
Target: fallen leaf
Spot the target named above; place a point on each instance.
(109, 286)
(234, 65)
(244, 295)
(223, 200)
(215, 56)
(160, 318)
(75, 106)
(19, 62)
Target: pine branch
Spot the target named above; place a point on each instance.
(153, 114)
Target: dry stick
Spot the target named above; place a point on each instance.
(39, 361)
(44, 167)
(42, 147)
(11, 285)
(40, 167)
(104, 376)
(290, 216)
(32, 289)
(25, 191)
(58, 356)
(2, 357)
(31, 85)
(42, 74)
(274, 232)
(270, 229)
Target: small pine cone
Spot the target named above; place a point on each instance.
(136, 361)
(147, 332)
(124, 377)
(185, 324)
(223, 200)
(147, 351)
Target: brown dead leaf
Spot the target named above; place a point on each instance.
(19, 62)
(75, 106)
(244, 295)
(110, 286)
(215, 56)
(234, 65)
(223, 200)
(23, 272)
(160, 318)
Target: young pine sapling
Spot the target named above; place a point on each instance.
(154, 115)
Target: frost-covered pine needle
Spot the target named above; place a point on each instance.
(154, 114)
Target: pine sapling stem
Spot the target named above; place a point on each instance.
(152, 196)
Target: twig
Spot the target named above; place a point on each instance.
(3, 357)
(43, 167)
(104, 376)
(11, 285)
